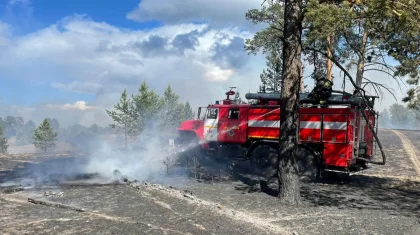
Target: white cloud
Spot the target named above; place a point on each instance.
(78, 86)
(79, 55)
(218, 12)
(12, 2)
(78, 105)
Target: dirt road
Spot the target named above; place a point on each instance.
(411, 151)
(383, 200)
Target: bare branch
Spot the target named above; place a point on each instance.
(383, 71)
(390, 68)
(372, 63)
(379, 85)
(377, 91)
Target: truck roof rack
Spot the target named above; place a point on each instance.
(335, 99)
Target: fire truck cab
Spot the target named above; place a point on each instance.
(339, 133)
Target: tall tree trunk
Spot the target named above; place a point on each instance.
(361, 62)
(289, 188)
(302, 84)
(330, 51)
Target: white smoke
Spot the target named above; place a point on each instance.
(140, 164)
(146, 158)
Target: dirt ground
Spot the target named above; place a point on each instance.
(30, 148)
(381, 200)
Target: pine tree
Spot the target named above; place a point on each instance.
(9, 126)
(271, 76)
(125, 117)
(147, 104)
(3, 142)
(289, 185)
(269, 42)
(188, 112)
(366, 34)
(172, 112)
(44, 136)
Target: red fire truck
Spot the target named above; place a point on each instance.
(340, 134)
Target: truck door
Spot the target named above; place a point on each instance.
(232, 125)
(211, 124)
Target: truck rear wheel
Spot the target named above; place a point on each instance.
(264, 161)
(309, 161)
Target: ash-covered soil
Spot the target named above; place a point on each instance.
(381, 200)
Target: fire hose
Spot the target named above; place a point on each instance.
(376, 138)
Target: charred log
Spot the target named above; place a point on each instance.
(55, 204)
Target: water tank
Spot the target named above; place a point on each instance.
(264, 96)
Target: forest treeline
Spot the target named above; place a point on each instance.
(23, 131)
(132, 116)
(399, 116)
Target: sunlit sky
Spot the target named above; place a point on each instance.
(71, 59)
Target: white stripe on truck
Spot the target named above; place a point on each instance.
(264, 123)
(310, 125)
(335, 125)
(302, 125)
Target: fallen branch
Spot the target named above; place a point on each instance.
(12, 189)
(54, 204)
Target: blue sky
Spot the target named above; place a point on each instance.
(45, 12)
(29, 16)
(71, 59)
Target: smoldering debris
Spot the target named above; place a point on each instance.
(54, 204)
(12, 188)
(53, 194)
(138, 186)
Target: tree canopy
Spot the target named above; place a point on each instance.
(125, 116)
(147, 111)
(355, 35)
(44, 136)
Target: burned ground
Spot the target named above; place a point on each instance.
(381, 200)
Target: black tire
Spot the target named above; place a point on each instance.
(264, 161)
